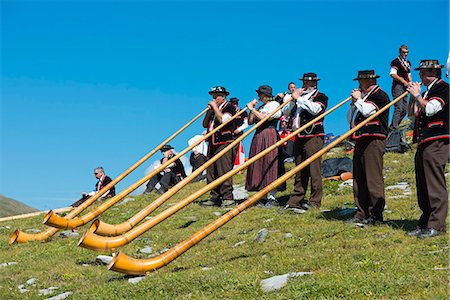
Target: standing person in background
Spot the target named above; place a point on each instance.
(271, 166)
(103, 180)
(241, 125)
(221, 111)
(401, 75)
(242, 120)
(288, 146)
(170, 176)
(309, 103)
(370, 143)
(431, 132)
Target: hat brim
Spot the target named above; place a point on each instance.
(309, 79)
(226, 93)
(374, 77)
(261, 92)
(421, 68)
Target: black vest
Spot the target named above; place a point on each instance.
(225, 134)
(305, 116)
(436, 126)
(403, 69)
(378, 127)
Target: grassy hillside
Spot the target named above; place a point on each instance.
(10, 207)
(347, 261)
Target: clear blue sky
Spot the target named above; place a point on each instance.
(101, 83)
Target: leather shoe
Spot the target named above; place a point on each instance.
(372, 221)
(295, 209)
(430, 232)
(416, 232)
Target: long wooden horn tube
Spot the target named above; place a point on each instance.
(22, 237)
(105, 229)
(92, 241)
(52, 219)
(128, 265)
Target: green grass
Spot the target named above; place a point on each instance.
(348, 262)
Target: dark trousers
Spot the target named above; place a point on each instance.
(400, 107)
(166, 180)
(431, 186)
(368, 182)
(305, 148)
(221, 166)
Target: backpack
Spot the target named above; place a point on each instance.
(396, 142)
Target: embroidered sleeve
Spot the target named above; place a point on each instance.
(393, 71)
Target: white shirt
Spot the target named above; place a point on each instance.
(303, 102)
(433, 106)
(365, 108)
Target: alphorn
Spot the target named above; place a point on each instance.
(105, 229)
(54, 220)
(128, 265)
(22, 237)
(94, 242)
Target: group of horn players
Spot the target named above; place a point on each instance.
(431, 132)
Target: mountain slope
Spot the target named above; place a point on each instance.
(11, 207)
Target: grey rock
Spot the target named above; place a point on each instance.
(277, 282)
(61, 296)
(239, 192)
(68, 233)
(402, 186)
(31, 281)
(206, 269)
(217, 213)
(261, 235)
(147, 250)
(288, 235)
(8, 264)
(238, 244)
(32, 230)
(48, 291)
(268, 220)
(104, 259)
(135, 280)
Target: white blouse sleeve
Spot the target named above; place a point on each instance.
(270, 107)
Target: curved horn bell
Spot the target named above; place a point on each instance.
(22, 237)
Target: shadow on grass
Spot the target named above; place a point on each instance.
(340, 214)
(343, 214)
(405, 225)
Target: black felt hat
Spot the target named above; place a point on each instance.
(310, 76)
(218, 90)
(366, 74)
(166, 147)
(429, 64)
(265, 89)
(234, 99)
